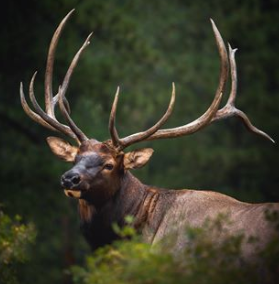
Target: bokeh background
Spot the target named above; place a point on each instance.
(143, 46)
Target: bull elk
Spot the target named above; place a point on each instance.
(101, 179)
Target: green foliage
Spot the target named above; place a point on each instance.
(15, 240)
(211, 256)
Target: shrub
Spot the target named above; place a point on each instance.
(15, 239)
(204, 260)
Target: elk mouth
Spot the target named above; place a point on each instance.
(76, 191)
(73, 193)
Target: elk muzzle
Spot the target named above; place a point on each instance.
(70, 179)
(70, 182)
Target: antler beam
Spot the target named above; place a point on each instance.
(212, 114)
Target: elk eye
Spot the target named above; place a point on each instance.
(108, 167)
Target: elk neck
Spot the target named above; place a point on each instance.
(130, 199)
(133, 198)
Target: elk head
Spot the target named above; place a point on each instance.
(99, 166)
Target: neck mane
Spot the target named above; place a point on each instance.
(126, 201)
(96, 223)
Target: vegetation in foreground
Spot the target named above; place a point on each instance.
(15, 240)
(203, 261)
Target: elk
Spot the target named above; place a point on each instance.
(100, 178)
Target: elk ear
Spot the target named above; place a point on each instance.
(62, 149)
(137, 159)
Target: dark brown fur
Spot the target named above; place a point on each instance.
(108, 196)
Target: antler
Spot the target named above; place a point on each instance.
(212, 114)
(141, 136)
(229, 109)
(47, 118)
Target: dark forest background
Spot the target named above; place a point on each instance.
(143, 46)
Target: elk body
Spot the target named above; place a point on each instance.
(106, 189)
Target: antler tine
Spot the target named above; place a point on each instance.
(141, 136)
(34, 116)
(62, 90)
(79, 134)
(229, 109)
(49, 66)
(73, 64)
(205, 119)
(112, 129)
(233, 91)
(66, 103)
(44, 116)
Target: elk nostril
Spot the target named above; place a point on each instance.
(75, 179)
(70, 180)
(63, 180)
